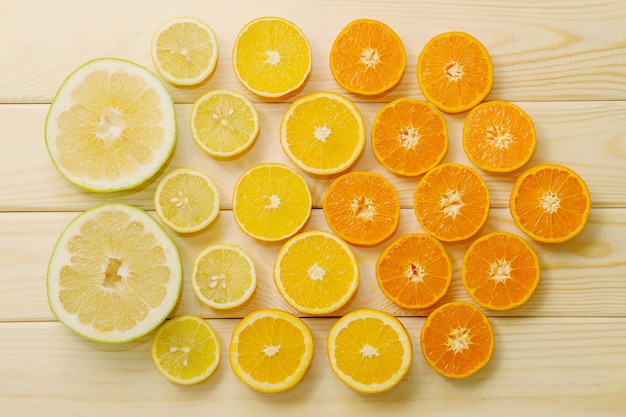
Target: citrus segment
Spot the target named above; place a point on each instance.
(271, 202)
(271, 56)
(185, 350)
(498, 136)
(451, 202)
(323, 133)
(114, 274)
(271, 350)
(184, 50)
(409, 137)
(454, 71)
(367, 57)
(111, 126)
(362, 207)
(316, 272)
(550, 203)
(369, 350)
(457, 340)
(224, 123)
(500, 271)
(223, 276)
(187, 200)
(414, 271)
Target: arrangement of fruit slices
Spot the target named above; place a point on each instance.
(107, 255)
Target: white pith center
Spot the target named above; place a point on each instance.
(415, 272)
(451, 203)
(368, 351)
(500, 270)
(550, 202)
(316, 273)
(185, 350)
(363, 208)
(271, 350)
(273, 57)
(111, 125)
(409, 137)
(453, 70)
(223, 116)
(370, 57)
(274, 202)
(459, 340)
(499, 137)
(322, 133)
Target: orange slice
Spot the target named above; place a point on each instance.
(414, 271)
(550, 203)
(457, 340)
(409, 137)
(451, 202)
(455, 72)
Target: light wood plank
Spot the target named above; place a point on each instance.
(545, 366)
(541, 51)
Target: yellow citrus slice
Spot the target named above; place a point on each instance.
(223, 276)
(187, 200)
(316, 272)
(111, 126)
(369, 350)
(224, 123)
(271, 350)
(271, 202)
(271, 56)
(114, 274)
(185, 50)
(185, 350)
(323, 133)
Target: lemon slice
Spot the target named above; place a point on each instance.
(224, 123)
(271, 57)
(114, 274)
(223, 276)
(186, 350)
(185, 50)
(111, 126)
(187, 200)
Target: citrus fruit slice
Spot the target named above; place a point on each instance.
(187, 200)
(114, 274)
(409, 137)
(500, 271)
(550, 203)
(451, 202)
(367, 57)
(185, 51)
(362, 207)
(369, 350)
(316, 272)
(223, 276)
(271, 202)
(271, 350)
(414, 271)
(224, 123)
(454, 71)
(457, 340)
(271, 56)
(185, 350)
(498, 136)
(323, 133)
(111, 126)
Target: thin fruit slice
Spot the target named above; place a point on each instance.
(367, 57)
(500, 271)
(414, 271)
(223, 276)
(111, 126)
(224, 123)
(369, 350)
(457, 340)
(455, 72)
(498, 136)
(409, 137)
(550, 203)
(316, 272)
(271, 202)
(271, 57)
(186, 350)
(114, 274)
(185, 51)
(362, 207)
(271, 350)
(451, 202)
(187, 200)
(323, 133)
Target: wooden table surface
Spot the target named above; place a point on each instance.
(564, 351)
